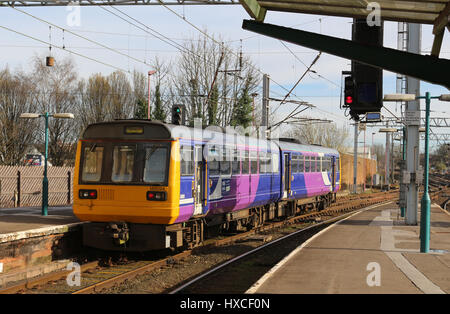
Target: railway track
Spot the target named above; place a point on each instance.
(95, 278)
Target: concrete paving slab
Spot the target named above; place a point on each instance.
(371, 252)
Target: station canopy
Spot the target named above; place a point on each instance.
(413, 11)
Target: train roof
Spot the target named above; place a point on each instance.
(145, 129)
(289, 146)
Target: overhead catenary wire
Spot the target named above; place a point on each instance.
(64, 49)
(303, 75)
(215, 41)
(80, 36)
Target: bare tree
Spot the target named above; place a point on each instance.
(16, 134)
(328, 135)
(121, 102)
(54, 87)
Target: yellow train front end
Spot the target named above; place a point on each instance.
(127, 185)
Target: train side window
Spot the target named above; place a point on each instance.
(187, 160)
(213, 161)
(275, 163)
(123, 163)
(313, 164)
(262, 162)
(245, 161)
(301, 163)
(236, 163)
(225, 162)
(294, 163)
(254, 161)
(307, 164)
(328, 164)
(319, 164)
(337, 164)
(92, 164)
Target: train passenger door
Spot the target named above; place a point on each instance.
(199, 179)
(333, 173)
(286, 175)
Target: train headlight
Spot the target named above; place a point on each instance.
(87, 194)
(156, 196)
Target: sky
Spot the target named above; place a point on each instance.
(103, 25)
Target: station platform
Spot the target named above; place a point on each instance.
(32, 244)
(370, 252)
(14, 220)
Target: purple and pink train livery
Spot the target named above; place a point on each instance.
(233, 172)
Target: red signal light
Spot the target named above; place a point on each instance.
(349, 100)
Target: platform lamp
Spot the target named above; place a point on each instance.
(425, 203)
(46, 115)
(149, 114)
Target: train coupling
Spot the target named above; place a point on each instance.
(120, 232)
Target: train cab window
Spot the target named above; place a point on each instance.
(245, 162)
(337, 164)
(123, 163)
(294, 163)
(254, 161)
(236, 162)
(301, 164)
(155, 168)
(187, 160)
(307, 164)
(92, 164)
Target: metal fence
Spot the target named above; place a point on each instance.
(22, 186)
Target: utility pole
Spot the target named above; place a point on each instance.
(412, 117)
(265, 103)
(387, 160)
(355, 157)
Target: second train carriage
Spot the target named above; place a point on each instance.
(147, 185)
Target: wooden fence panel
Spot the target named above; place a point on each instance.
(22, 185)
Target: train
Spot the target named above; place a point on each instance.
(147, 185)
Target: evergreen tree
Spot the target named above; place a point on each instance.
(141, 109)
(158, 112)
(213, 106)
(242, 113)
